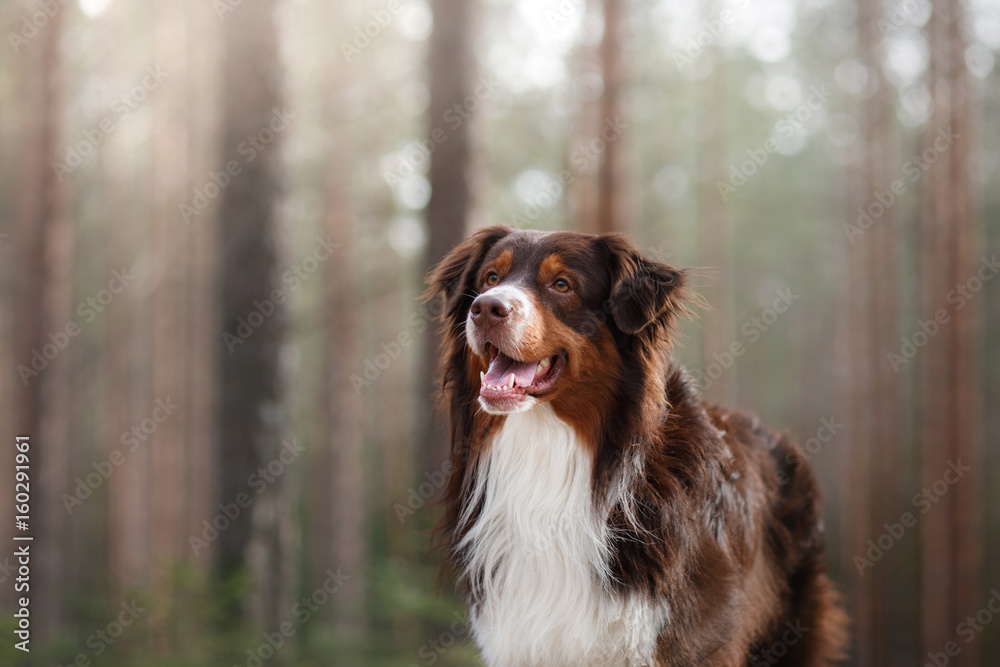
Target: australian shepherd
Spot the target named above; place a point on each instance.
(599, 513)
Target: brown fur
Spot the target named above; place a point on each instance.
(738, 555)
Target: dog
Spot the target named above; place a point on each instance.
(598, 512)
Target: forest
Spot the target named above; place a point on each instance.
(217, 372)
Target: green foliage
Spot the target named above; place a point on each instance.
(191, 624)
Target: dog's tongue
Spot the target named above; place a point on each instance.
(501, 368)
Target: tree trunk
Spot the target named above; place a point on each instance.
(949, 382)
(612, 192)
(883, 637)
(716, 233)
(253, 419)
(582, 191)
(167, 268)
(44, 238)
(126, 346)
(201, 305)
(451, 63)
(8, 408)
(344, 412)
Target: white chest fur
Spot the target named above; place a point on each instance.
(538, 554)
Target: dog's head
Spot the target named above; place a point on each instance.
(549, 316)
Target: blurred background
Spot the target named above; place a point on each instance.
(215, 219)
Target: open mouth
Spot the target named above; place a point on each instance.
(508, 381)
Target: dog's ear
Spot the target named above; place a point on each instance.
(454, 276)
(646, 296)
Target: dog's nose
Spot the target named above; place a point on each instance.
(489, 310)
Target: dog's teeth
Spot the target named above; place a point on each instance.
(543, 365)
(482, 377)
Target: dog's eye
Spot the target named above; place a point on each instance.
(492, 278)
(561, 285)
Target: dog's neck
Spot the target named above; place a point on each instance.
(537, 551)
